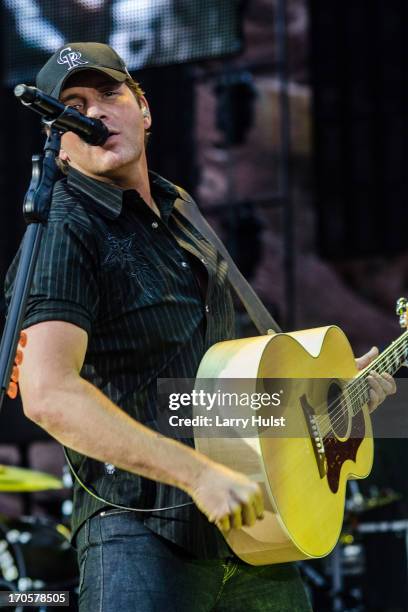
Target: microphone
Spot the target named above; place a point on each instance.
(64, 118)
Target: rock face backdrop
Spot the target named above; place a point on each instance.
(358, 294)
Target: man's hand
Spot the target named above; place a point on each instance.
(381, 384)
(227, 498)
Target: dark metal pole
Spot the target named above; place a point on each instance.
(36, 207)
(284, 165)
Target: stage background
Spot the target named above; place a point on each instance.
(347, 89)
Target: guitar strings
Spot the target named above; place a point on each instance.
(360, 380)
(359, 384)
(328, 423)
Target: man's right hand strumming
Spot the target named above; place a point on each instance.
(227, 498)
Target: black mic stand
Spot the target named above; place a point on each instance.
(36, 208)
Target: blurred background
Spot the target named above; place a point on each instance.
(288, 121)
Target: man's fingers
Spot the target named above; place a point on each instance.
(392, 385)
(247, 508)
(363, 361)
(377, 394)
(23, 339)
(239, 502)
(19, 357)
(224, 523)
(249, 513)
(381, 385)
(374, 400)
(252, 505)
(259, 504)
(236, 516)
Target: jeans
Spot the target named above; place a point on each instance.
(125, 567)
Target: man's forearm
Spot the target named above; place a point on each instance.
(79, 416)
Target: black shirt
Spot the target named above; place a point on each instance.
(152, 295)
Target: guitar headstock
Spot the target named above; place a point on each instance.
(401, 309)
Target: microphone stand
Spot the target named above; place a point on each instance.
(36, 208)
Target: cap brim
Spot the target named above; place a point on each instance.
(117, 75)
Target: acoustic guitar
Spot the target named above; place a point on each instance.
(303, 477)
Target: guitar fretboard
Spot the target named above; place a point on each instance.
(388, 361)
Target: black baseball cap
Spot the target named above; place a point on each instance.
(74, 57)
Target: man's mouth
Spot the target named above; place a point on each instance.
(111, 136)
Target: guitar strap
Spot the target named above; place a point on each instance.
(263, 321)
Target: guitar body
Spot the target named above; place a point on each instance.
(304, 498)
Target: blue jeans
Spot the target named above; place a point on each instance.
(125, 567)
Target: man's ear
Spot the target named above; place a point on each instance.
(63, 156)
(147, 118)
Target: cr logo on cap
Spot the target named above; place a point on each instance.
(72, 58)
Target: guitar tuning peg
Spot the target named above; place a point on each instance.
(401, 309)
(401, 305)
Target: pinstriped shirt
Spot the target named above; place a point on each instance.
(151, 292)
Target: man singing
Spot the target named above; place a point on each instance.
(127, 291)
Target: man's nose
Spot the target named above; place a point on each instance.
(95, 110)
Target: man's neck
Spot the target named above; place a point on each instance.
(137, 179)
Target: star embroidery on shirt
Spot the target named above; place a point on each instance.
(119, 251)
(147, 280)
(123, 253)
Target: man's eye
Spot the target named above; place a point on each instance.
(109, 94)
(77, 107)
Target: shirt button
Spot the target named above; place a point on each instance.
(207, 308)
(184, 264)
(155, 225)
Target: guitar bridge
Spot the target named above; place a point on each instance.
(315, 436)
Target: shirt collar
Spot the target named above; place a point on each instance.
(109, 198)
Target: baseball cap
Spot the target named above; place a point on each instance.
(74, 57)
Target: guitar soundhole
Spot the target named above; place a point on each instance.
(337, 410)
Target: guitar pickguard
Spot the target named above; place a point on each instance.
(338, 451)
(331, 452)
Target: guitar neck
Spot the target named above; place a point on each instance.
(390, 360)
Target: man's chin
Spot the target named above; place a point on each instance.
(110, 162)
